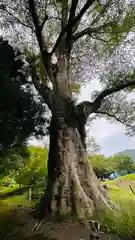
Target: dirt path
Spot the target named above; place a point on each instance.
(64, 230)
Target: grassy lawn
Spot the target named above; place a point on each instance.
(119, 188)
(120, 222)
(15, 201)
(123, 220)
(8, 206)
(5, 190)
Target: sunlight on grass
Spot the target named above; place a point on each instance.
(122, 221)
(127, 177)
(9, 189)
(15, 200)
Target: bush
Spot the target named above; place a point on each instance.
(38, 190)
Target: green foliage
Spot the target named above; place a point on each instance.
(35, 172)
(21, 169)
(21, 113)
(6, 181)
(98, 6)
(36, 168)
(75, 87)
(123, 163)
(120, 29)
(36, 59)
(13, 160)
(11, 163)
(102, 165)
(119, 163)
(129, 152)
(37, 157)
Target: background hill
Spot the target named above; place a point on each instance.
(129, 152)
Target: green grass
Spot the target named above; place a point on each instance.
(123, 221)
(127, 177)
(15, 201)
(119, 187)
(9, 189)
(8, 214)
(120, 222)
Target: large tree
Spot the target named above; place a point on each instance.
(65, 31)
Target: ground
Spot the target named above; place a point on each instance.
(16, 221)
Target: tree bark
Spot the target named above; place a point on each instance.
(72, 186)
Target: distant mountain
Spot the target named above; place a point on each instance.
(129, 152)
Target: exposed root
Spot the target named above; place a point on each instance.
(76, 188)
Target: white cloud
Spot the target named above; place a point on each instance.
(102, 129)
(37, 142)
(86, 91)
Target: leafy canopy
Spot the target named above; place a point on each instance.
(86, 30)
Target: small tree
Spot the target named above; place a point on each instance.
(34, 173)
(65, 31)
(124, 163)
(102, 165)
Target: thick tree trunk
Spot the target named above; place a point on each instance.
(72, 186)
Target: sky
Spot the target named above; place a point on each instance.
(111, 137)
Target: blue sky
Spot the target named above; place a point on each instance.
(116, 143)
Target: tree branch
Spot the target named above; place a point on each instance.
(32, 10)
(45, 92)
(100, 39)
(72, 23)
(73, 10)
(44, 21)
(3, 8)
(89, 31)
(82, 12)
(71, 17)
(84, 109)
(97, 103)
(64, 13)
(86, 31)
(113, 116)
(46, 57)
